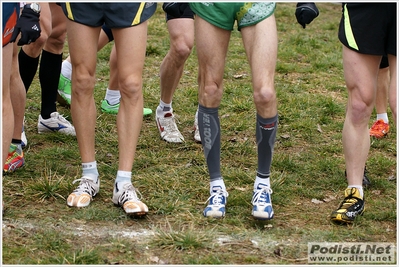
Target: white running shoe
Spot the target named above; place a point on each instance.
(56, 123)
(126, 197)
(197, 136)
(216, 207)
(81, 196)
(168, 129)
(262, 203)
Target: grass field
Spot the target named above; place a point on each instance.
(308, 165)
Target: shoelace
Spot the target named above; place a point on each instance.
(63, 119)
(350, 199)
(85, 186)
(129, 194)
(260, 196)
(170, 123)
(217, 197)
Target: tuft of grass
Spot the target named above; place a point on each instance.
(48, 186)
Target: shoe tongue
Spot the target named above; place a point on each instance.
(352, 191)
(261, 186)
(124, 185)
(216, 188)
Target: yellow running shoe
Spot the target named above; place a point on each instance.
(350, 207)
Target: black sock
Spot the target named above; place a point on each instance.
(209, 128)
(16, 141)
(49, 76)
(27, 68)
(266, 130)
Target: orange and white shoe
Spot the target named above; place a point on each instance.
(379, 129)
(125, 196)
(84, 193)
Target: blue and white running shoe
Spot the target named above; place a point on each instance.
(217, 203)
(56, 123)
(262, 203)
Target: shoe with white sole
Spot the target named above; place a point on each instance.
(168, 129)
(125, 196)
(262, 203)
(84, 193)
(56, 123)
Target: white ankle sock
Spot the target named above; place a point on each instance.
(163, 108)
(90, 169)
(66, 69)
(113, 96)
(383, 116)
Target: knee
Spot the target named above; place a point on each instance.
(83, 84)
(210, 94)
(181, 50)
(131, 86)
(265, 97)
(359, 110)
(57, 40)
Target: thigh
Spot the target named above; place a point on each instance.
(56, 40)
(260, 42)
(360, 72)
(6, 71)
(130, 61)
(45, 19)
(181, 31)
(211, 44)
(82, 44)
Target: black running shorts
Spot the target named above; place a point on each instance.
(369, 28)
(112, 14)
(187, 14)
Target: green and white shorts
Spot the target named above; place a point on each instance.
(224, 15)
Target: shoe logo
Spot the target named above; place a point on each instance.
(160, 126)
(60, 126)
(15, 165)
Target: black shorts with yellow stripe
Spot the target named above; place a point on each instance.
(112, 14)
(369, 28)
